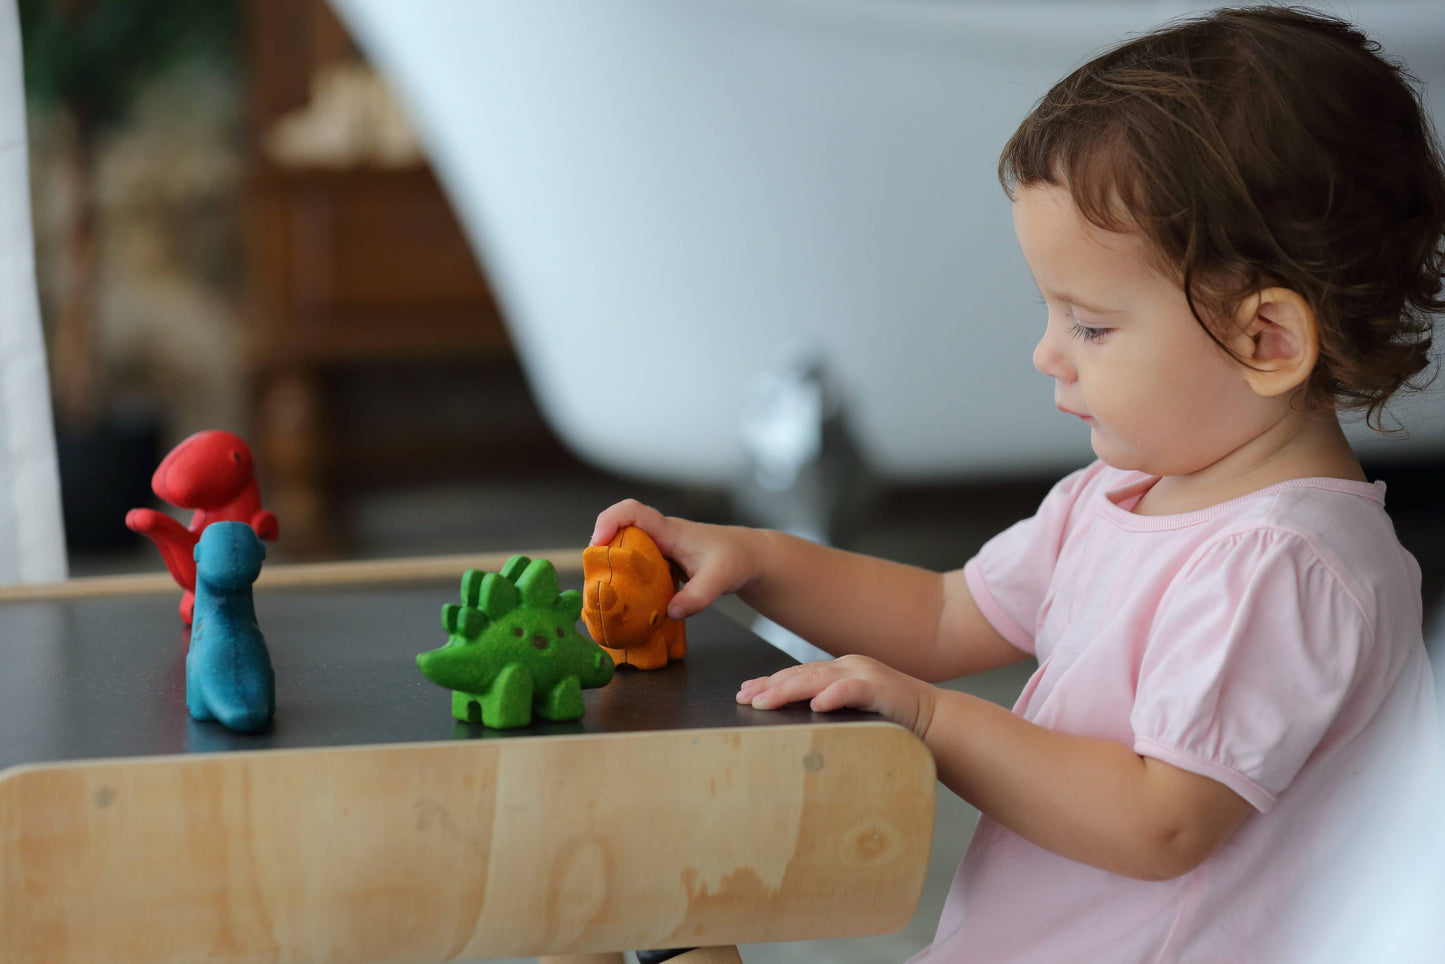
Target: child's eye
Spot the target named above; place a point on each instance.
(1087, 333)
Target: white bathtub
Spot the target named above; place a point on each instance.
(664, 191)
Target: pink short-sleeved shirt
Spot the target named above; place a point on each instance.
(1272, 643)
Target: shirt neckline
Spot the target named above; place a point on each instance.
(1112, 505)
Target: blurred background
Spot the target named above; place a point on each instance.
(437, 296)
(465, 273)
(236, 228)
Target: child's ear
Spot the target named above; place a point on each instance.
(1277, 335)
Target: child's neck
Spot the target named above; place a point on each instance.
(1303, 446)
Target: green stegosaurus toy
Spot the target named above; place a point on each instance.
(513, 647)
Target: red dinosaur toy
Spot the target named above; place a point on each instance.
(211, 473)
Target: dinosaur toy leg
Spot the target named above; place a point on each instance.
(196, 702)
(676, 635)
(467, 707)
(638, 657)
(563, 702)
(651, 654)
(508, 703)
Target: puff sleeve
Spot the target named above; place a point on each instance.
(1252, 654)
(1009, 577)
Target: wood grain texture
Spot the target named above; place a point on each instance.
(566, 561)
(470, 849)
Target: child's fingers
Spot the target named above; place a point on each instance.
(748, 688)
(858, 682)
(698, 593)
(694, 548)
(628, 512)
(612, 518)
(848, 691)
(849, 681)
(793, 684)
(666, 532)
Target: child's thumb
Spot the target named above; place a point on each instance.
(696, 594)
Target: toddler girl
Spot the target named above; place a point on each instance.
(1235, 223)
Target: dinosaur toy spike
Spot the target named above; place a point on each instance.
(471, 623)
(538, 584)
(570, 602)
(513, 568)
(472, 587)
(498, 596)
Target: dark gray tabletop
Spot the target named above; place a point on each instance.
(105, 677)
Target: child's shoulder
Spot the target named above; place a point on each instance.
(1335, 519)
(1334, 523)
(1322, 511)
(1338, 522)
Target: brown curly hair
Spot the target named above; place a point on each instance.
(1258, 147)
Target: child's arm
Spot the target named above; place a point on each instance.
(920, 622)
(1088, 799)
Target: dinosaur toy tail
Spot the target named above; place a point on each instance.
(248, 713)
(175, 541)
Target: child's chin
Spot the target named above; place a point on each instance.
(1103, 450)
(1113, 456)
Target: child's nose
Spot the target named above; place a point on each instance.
(1051, 359)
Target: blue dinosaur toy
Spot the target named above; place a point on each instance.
(228, 670)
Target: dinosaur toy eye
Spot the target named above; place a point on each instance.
(518, 632)
(236, 457)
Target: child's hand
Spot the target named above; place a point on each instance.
(716, 559)
(860, 682)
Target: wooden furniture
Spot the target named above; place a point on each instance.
(351, 272)
(368, 825)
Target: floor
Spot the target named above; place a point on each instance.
(935, 526)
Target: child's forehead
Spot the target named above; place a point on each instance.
(1050, 224)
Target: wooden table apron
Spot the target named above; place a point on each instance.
(368, 825)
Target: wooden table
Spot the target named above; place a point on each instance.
(368, 825)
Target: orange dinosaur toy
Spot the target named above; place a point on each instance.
(628, 585)
(211, 473)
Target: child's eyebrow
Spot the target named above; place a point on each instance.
(1073, 300)
(1091, 309)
